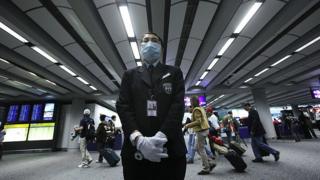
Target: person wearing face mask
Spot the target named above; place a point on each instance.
(151, 109)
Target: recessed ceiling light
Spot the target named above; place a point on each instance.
(248, 80)
(198, 83)
(214, 61)
(82, 80)
(286, 57)
(67, 70)
(92, 87)
(126, 20)
(308, 44)
(5, 61)
(33, 74)
(46, 55)
(203, 75)
(135, 50)
(51, 82)
(226, 46)
(13, 33)
(247, 17)
(259, 73)
(18, 82)
(139, 63)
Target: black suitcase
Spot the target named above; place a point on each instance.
(236, 161)
(111, 157)
(237, 148)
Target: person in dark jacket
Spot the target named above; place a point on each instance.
(111, 130)
(305, 123)
(151, 109)
(101, 137)
(257, 133)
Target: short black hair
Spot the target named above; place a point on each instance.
(161, 42)
(246, 105)
(102, 117)
(230, 112)
(195, 101)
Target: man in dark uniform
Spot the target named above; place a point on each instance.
(151, 108)
(257, 134)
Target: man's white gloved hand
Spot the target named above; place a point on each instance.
(152, 147)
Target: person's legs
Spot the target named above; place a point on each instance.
(192, 147)
(312, 132)
(228, 133)
(100, 148)
(201, 151)
(255, 148)
(262, 145)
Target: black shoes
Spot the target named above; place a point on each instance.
(257, 160)
(212, 166)
(203, 172)
(276, 156)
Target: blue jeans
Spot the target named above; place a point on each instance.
(192, 148)
(257, 144)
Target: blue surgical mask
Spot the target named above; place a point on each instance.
(150, 52)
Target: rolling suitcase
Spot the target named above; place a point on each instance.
(237, 148)
(236, 161)
(111, 157)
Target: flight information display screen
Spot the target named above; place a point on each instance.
(41, 131)
(24, 113)
(16, 132)
(13, 113)
(37, 112)
(202, 101)
(48, 112)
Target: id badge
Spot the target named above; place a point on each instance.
(151, 108)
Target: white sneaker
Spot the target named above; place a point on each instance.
(83, 165)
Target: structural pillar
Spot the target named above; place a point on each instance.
(263, 108)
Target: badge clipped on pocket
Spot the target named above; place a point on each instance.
(151, 108)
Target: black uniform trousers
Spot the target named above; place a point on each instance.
(168, 168)
(100, 148)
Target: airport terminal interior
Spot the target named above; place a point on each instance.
(63, 60)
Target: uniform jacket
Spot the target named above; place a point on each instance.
(167, 85)
(199, 121)
(101, 134)
(254, 124)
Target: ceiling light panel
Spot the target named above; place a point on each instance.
(46, 55)
(51, 82)
(126, 20)
(135, 50)
(82, 80)
(204, 75)
(92, 87)
(308, 44)
(214, 61)
(254, 8)
(225, 46)
(198, 83)
(67, 70)
(261, 72)
(139, 63)
(278, 62)
(5, 61)
(248, 80)
(13, 33)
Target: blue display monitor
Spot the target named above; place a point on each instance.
(48, 112)
(24, 113)
(13, 113)
(37, 112)
(315, 92)
(202, 101)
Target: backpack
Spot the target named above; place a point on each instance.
(91, 133)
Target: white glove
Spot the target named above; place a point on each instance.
(152, 147)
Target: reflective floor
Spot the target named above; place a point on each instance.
(298, 161)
